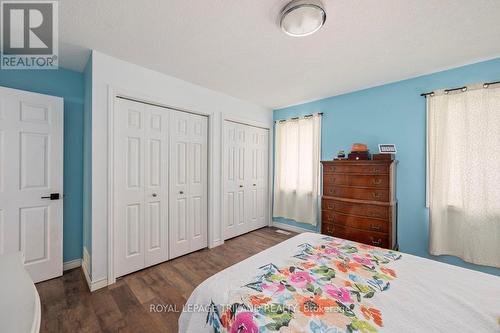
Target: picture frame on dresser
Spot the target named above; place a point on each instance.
(359, 201)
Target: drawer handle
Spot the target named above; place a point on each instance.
(375, 214)
(330, 206)
(333, 168)
(330, 218)
(376, 195)
(375, 227)
(375, 170)
(377, 181)
(331, 191)
(376, 242)
(330, 229)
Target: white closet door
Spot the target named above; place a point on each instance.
(129, 186)
(188, 183)
(262, 179)
(140, 182)
(258, 177)
(31, 168)
(234, 169)
(252, 177)
(156, 185)
(245, 178)
(198, 189)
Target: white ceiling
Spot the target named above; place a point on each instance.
(236, 46)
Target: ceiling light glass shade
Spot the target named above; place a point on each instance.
(302, 17)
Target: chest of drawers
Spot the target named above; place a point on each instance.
(359, 201)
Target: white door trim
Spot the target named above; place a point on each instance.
(262, 125)
(114, 92)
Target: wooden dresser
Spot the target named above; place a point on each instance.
(359, 201)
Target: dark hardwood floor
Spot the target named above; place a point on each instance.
(68, 305)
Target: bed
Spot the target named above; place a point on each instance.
(316, 283)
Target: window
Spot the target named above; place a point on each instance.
(464, 174)
(296, 179)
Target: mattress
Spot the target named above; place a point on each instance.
(316, 283)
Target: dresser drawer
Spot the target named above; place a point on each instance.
(358, 222)
(327, 229)
(356, 193)
(367, 169)
(378, 181)
(371, 238)
(380, 212)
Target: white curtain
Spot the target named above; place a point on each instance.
(464, 174)
(296, 175)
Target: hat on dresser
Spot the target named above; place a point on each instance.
(359, 147)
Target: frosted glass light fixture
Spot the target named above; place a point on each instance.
(302, 17)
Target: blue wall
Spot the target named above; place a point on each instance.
(69, 85)
(395, 113)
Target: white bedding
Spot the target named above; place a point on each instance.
(426, 295)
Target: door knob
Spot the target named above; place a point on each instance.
(181, 192)
(241, 185)
(254, 184)
(155, 195)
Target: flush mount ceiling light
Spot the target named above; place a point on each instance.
(302, 17)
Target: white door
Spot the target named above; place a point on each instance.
(234, 170)
(262, 179)
(245, 178)
(31, 169)
(258, 177)
(141, 185)
(188, 183)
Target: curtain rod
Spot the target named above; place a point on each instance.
(295, 118)
(464, 88)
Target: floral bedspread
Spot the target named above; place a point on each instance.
(326, 287)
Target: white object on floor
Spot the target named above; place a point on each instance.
(426, 296)
(20, 309)
(31, 169)
(279, 231)
(245, 171)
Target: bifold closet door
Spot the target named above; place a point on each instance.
(234, 170)
(258, 179)
(141, 185)
(245, 177)
(188, 183)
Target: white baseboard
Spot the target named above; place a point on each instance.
(85, 267)
(93, 285)
(101, 283)
(288, 227)
(72, 264)
(216, 243)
